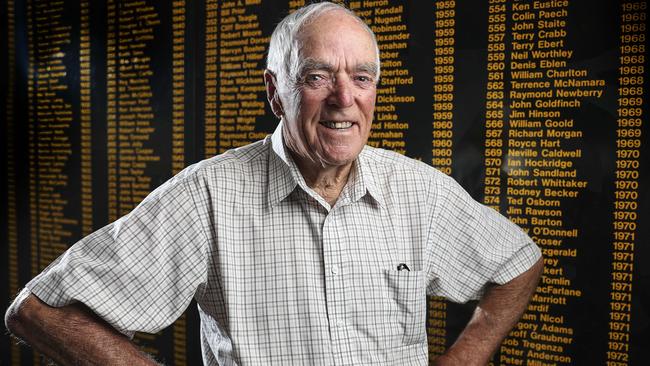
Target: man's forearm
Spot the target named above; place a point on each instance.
(497, 312)
(70, 335)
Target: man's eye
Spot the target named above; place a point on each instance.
(315, 78)
(364, 79)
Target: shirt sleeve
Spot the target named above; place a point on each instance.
(471, 245)
(138, 273)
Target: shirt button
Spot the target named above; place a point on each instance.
(340, 323)
(335, 269)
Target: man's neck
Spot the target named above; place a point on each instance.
(327, 181)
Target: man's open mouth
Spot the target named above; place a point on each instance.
(336, 124)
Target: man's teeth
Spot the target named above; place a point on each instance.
(330, 124)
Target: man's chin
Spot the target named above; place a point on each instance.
(339, 158)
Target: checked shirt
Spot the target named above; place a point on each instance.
(280, 276)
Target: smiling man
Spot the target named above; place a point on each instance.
(307, 248)
(330, 94)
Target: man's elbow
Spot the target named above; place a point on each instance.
(538, 269)
(530, 279)
(16, 317)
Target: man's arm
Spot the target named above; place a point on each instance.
(497, 312)
(70, 335)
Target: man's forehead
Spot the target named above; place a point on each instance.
(334, 34)
(332, 25)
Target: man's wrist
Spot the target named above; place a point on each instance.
(452, 358)
(458, 355)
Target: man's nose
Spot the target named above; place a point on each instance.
(342, 93)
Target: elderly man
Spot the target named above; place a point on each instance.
(306, 248)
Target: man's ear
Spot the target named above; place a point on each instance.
(272, 93)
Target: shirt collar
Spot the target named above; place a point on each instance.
(364, 178)
(281, 178)
(284, 175)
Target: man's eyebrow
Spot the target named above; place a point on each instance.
(369, 67)
(311, 64)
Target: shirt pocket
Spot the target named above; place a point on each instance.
(407, 298)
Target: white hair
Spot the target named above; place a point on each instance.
(284, 59)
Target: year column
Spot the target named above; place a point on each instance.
(494, 102)
(626, 183)
(442, 133)
(443, 84)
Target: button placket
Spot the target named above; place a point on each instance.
(333, 279)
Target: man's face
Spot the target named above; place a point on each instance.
(337, 91)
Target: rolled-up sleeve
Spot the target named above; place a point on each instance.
(471, 245)
(138, 273)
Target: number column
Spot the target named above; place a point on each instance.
(178, 89)
(211, 76)
(494, 114)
